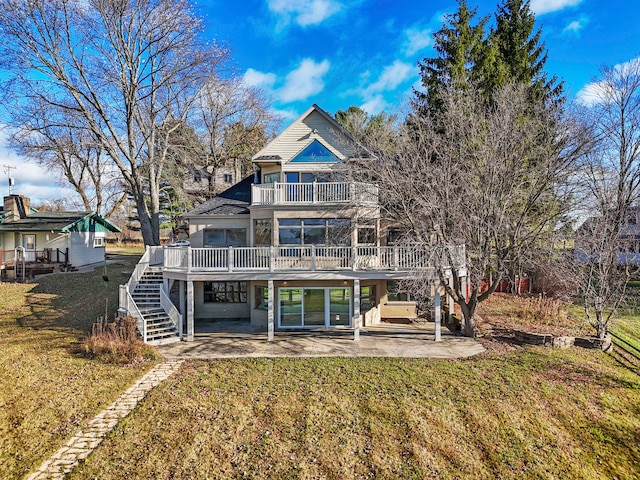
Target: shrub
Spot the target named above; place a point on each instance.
(117, 342)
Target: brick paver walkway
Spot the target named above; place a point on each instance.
(86, 440)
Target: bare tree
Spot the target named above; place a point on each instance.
(75, 152)
(607, 242)
(487, 178)
(233, 121)
(127, 68)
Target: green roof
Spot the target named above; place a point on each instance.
(59, 222)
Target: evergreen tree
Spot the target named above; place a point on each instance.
(460, 46)
(515, 54)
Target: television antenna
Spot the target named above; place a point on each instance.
(7, 170)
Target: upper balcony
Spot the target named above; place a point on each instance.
(314, 193)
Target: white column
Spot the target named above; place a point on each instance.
(270, 312)
(183, 310)
(452, 305)
(356, 309)
(436, 310)
(190, 320)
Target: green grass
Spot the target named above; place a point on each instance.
(628, 328)
(532, 413)
(47, 392)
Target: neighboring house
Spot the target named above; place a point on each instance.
(296, 246)
(36, 242)
(202, 181)
(588, 239)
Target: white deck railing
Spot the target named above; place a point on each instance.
(312, 193)
(304, 258)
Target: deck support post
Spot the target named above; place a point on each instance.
(437, 310)
(190, 320)
(182, 306)
(356, 309)
(270, 312)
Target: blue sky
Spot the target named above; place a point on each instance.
(338, 53)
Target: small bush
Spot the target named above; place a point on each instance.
(117, 342)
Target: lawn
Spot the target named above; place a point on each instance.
(514, 412)
(46, 390)
(530, 413)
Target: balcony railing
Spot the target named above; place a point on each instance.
(304, 258)
(312, 193)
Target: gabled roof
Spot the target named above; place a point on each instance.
(233, 201)
(314, 125)
(58, 222)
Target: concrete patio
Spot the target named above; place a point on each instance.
(240, 340)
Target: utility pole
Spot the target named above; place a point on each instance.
(7, 170)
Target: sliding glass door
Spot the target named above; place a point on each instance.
(314, 307)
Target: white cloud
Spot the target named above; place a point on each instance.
(540, 7)
(576, 25)
(417, 40)
(599, 92)
(304, 81)
(254, 78)
(303, 12)
(375, 105)
(391, 76)
(592, 94)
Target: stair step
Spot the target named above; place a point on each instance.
(158, 320)
(164, 341)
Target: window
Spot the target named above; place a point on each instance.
(313, 231)
(394, 235)
(396, 295)
(98, 242)
(225, 292)
(366, 232)
(228, 178)
(262, 232)
(261, 298)
(225, 237)
(368, 298)
(271, 177)
(315, 152)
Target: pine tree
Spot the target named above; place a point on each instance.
(460, 46)
(514, 53)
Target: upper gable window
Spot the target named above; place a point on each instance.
(315, 152)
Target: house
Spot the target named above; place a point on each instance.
(295, 246)
(38, 242)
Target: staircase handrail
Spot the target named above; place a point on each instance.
(132, 309)
(171, 310)
(139, 270)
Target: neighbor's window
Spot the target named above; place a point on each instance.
(228, 178)
(98, 242)
(225, 292)
(262, 298)
(225, 237)
(262, 232)
(396, 295)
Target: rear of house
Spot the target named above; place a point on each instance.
(295, 246)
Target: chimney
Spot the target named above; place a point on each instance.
(18, 205)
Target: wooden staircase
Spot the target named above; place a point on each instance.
(146, 295)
